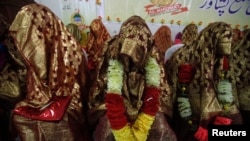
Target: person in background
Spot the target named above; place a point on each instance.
(163, 39)
(177, 44)
(56, 79)
(77, 34)
(240, 66)
(203, 93)
(97, 36)
(188, 35)
(74, 30)
(130, 99)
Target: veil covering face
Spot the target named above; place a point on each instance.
(163, 40)
(132, 47)
(55, 69)
(97, 36)
(207, 55)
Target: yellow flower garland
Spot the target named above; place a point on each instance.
(139, 130)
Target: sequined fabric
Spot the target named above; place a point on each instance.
(131, 46)
(189, 34)
(97, 36)
(55, 67)
(204, 54)
(240, 62)
(179, 56)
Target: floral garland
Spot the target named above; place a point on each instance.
(121, 128)
(185, 76)
(225, 97)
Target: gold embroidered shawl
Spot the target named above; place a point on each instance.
(240, 62)
(97, 36)
(132, 46)
(212, 42)
(52, 56)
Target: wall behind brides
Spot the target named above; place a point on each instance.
(174, 13)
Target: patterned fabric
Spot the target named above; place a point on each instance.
(188, 35)
(97, 36)
(55, 68)
(240, 62)
(132, 46)
(205, 53)
(74, 30)
(78, 35)
(163, 39)
(188, 32)
(237, 36)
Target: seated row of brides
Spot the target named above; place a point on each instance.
(130, 86)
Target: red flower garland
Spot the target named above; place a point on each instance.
(151, 101)
(202, 133)
(115, 111)
(116, 108)
(186, 72)
(225, 63)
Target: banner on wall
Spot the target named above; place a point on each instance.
(202, 12)
(78, 11)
